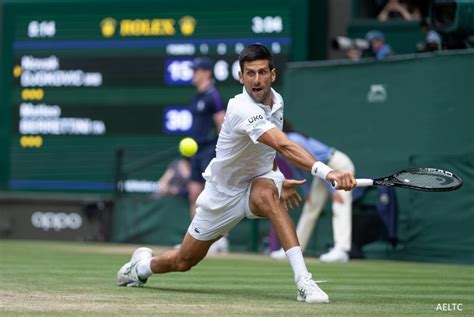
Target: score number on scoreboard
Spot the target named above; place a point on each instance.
(173, 46)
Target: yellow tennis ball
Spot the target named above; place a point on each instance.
(188, 147)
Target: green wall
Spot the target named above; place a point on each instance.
(407, 111)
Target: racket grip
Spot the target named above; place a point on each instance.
(361, 182)
(364, 182)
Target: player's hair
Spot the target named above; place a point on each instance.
(255, 52)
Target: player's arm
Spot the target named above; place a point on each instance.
(304, 160)
(289, 149)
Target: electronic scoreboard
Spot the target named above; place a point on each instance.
(87, 78)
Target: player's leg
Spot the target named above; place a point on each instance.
(143, 264)
(191, 252)
(216, 215)
(264, 201)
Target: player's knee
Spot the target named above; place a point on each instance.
(268, 200)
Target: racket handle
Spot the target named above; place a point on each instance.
(361, 182)
(364, 182)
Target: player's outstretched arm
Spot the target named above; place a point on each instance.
(289, 149)
(303, 159)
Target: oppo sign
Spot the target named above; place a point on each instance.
(56, 221)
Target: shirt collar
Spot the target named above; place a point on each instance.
(276, 97)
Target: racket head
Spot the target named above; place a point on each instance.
(424, 179)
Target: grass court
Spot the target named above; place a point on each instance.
(40, 278)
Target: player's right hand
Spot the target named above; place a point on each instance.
(342, 180)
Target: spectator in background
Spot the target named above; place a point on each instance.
(378, 48)
(316, 194)
(407, 10)
(353, 53)
(174, 182)
(432, 41)
(208, 112)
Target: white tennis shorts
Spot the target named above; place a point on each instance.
(217, 213)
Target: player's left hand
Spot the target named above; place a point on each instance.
(343, 180)
(289, 195)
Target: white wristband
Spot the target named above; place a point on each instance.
(320, 169)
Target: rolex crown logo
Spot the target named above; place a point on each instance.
(187, 25)
(108, 26)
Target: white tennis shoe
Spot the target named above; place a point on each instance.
(335, 255)
(127, 275)
(309, 291)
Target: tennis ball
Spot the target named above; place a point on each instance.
(188, 147)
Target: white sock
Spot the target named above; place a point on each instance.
(144, 269)
(295, 256)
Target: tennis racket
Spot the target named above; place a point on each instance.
(424, 179)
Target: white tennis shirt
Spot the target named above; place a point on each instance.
(240, 158)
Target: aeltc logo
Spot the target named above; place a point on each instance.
(449, 307)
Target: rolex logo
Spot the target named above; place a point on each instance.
(108, 26)
(187, 25)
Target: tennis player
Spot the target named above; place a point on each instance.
(242, 181)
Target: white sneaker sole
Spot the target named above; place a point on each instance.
(300, 298)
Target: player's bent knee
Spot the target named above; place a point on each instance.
(267, 200)
(269, 195)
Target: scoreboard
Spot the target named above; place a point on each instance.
(85, 78)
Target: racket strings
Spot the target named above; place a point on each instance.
(427, 180)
